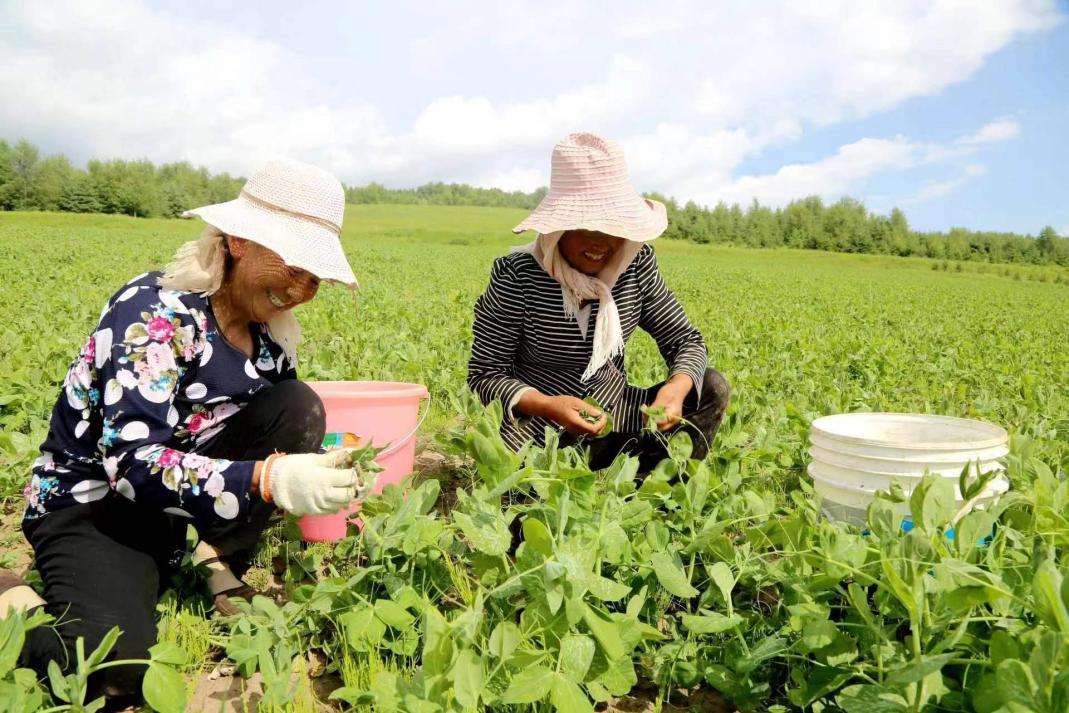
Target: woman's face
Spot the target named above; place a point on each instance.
(262, 284)
(588, 251)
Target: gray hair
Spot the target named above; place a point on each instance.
(199, 266)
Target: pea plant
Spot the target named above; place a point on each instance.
(548, 583)
(164, 688)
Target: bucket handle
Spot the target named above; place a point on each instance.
(400, 442)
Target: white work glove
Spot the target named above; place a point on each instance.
(314, 483)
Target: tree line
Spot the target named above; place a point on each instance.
(444, 194)
(30, 181)
(848, 226)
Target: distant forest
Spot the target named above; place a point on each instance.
(30, 181)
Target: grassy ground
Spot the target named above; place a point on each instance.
(799, 334)
(793, 330)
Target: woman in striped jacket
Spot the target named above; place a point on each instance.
(551, 327)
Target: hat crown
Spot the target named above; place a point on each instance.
(584, 161)
(299, 188)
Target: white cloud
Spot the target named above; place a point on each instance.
(939, 189)
(846, 171)
(830, 177)
(1000, 130)
(692, 89)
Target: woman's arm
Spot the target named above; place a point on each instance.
(680, 344)
(496, 337)
(152, 346)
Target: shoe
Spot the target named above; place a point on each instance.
(16, 593)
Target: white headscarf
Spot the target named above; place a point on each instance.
(577, 287)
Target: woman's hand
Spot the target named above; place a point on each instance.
(565, 411)
(313, 483)
(670, 397)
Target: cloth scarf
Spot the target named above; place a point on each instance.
(578, 287)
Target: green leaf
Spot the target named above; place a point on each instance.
(606, 590)
(680, 446)
(58, 682)
(883, 520)
(698, 488)
(721, 575)
(169, 653)
(468, 678)
(820, 681)
(437, 643)
(489, 535)
(164, 688)
(567, 697)
(536, 535)
(528, 686)
(384, 688)
(617, 678)
(860, 603)
(818, 634)
(12, 636)
(1046, 590)
(1016, 684)
(576, 653)
(971, 529)
(591, 418)
(606, 633)
(870, 699)
(918, 670)
(710, 622)
(504, 639)
(671, 575)
(362, 628)
(933, 503)
(1003, 646)
(614, 543)
(103, 648)
(353, 696)
(393, 614)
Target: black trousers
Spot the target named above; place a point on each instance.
(703, 414)
(105, 563)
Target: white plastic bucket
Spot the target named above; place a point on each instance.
(856, 454)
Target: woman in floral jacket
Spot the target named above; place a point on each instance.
(181, 407)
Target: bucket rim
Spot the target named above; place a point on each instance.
(822, 460)
(381, 390)
(991, 454)
(998, 435)
(993, 488)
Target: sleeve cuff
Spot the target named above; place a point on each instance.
(510, 414)
(696, 374)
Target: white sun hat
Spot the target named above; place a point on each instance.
(293, 209)
(589, 189)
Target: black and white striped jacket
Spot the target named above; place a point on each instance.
(524, 338)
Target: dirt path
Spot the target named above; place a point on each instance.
(15, 552)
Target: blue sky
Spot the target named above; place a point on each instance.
(955, 111)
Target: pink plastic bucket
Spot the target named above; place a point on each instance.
(387, 412)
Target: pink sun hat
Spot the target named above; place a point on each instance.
(589, 189)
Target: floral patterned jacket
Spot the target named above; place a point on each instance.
(154, 380)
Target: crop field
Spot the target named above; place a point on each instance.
(710, 585)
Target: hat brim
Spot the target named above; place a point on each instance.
(633, 217)
(300, 243)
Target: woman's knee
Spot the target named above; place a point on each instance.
(715, 388)
(301, 416)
